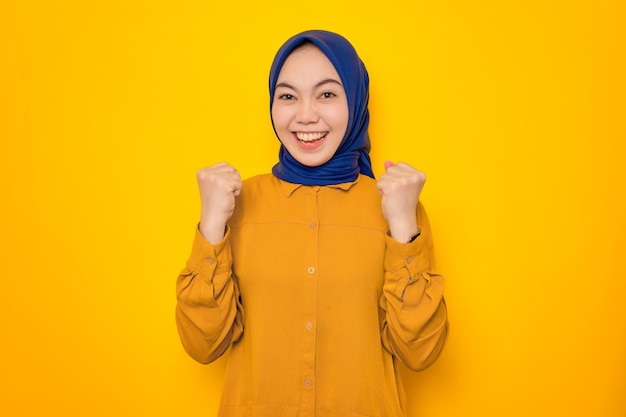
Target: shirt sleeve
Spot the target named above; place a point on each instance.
(209, 314)
(414, 316)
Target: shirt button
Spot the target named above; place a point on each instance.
(309, 325)
(210, 260)
(312, 225)
(409, 259)
(311, 270)
(308, 382)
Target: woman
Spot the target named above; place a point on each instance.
(317, 276)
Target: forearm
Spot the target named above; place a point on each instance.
(207, 332)
(208, 309)
(403, 228)
(415, 321)
(415, 332)
(212, 228)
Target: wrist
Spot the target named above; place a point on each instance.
(213, 232)
(405, 233)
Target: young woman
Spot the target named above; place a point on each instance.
(317, 277)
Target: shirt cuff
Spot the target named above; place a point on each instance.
(206, 257)
(399, 255)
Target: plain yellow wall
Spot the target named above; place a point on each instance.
(515, 110)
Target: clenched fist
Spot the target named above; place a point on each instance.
(219, 185)
(400, 186)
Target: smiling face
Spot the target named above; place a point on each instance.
(310, 108)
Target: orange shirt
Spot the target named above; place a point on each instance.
(315, 300)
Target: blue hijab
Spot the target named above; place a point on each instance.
(352, 156)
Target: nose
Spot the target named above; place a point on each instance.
(307, 112)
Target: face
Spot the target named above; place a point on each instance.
(310, 108)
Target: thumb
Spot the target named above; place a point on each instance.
(388, 164)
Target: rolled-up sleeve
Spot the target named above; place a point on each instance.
(414, 323)
(209, 314)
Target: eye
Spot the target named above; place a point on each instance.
(286, 96)
(328, 94)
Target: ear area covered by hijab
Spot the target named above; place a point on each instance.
(352, 156)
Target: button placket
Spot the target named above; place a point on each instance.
(309, 303)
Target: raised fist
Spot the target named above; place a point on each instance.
(219, 185)
(400, 186)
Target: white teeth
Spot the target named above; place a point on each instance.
(310, 137)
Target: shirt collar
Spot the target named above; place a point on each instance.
(289, 188)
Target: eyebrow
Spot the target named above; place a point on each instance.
(326, 81)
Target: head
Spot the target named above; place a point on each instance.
(319, 91)
(310, 108)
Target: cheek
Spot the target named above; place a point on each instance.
(341, 115)
(340, 120)
(280, 118)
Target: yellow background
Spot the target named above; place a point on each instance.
(515, 110)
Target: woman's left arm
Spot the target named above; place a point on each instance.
(414, 317)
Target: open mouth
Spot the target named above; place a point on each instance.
(310, 137)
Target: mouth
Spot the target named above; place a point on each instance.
(310, 137)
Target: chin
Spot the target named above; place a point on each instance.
(311, 162)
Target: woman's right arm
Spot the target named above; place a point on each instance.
(209, 314)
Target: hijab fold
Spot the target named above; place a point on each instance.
(352, 155)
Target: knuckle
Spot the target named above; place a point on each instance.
(202, 174)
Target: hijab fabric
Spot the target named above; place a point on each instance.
(352, 155)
